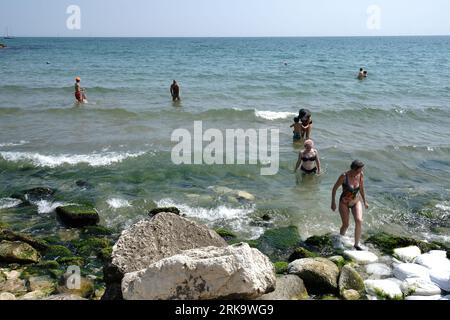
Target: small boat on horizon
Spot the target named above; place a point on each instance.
(7, 36)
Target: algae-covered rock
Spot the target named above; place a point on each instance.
(34, 194)
(278, 243)
(77, 216)
(99, 247)
(300, 253)
(57, 251)
(350, 279)
(19, 252)
(322, 244)
(44, 284)
(72, 260)
(226, 234)
(407, 254)
(387, 243)
(338, 260)
(96, 231)
(9, 235)
(156, 211)
(281, 267)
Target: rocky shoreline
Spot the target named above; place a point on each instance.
(168, 256)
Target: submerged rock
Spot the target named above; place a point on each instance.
(34, 194)
(19, 252)
(236, 271)
(319, 274)
(75, 216)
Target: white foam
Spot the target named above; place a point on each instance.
(237, 218)
(13, 144)
(272, 115)
(52, 161)
(6, 203)
(117, 203)
(443, 207)
(45, 206)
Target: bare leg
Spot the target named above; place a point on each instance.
(345, 217)
(308, 131)
(357, 214)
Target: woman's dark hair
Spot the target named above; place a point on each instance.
(356, 164)
(296, 119)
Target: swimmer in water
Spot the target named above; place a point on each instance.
(308, 159)
(79, 92)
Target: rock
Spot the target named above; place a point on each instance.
(441, 278)
(407, 254)
(320, 275)
(338, 260)
(434, 260)
(84, 288)
(236, 271)
(448, 253)
(419, 287)
(300, 253)
(65, 296)
(387, 243)
(323, 244)
(17, 236)
(7, 296)
(435, 297)
(34, 295)
(350, 279)
(113, 291)
(244, 195)
(155, 211)
(57, 251)
(74, 216)
(410, 270)
(379, 269)
(350, 295)
(162, 236)
(288, 287)
(227, 235)
(19, 252)
(383, 289)
(15, 286)
(43, 284)
(277, 243)
(281, 267)
(362, 257)
(34, 194)
(83, 184)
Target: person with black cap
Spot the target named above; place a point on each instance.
(305, 117)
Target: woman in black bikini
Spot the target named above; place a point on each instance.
(352, 183)
(308, 159)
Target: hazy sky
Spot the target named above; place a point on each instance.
(223, 18)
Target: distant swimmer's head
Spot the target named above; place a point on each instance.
(296, 120)
(309, 144)
(174, 82)
(77, 79)
(365, 73)
(357, 165)
(361, 69)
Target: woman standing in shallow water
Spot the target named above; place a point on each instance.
(352, 183)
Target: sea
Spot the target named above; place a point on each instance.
(115, 152)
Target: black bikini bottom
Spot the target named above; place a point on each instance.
(313, 170)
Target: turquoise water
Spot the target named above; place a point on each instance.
(397, 121)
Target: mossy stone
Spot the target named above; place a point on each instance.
(77, 216)
(97, 231)
(9, 235)
(78, 261)
(322, 244)
(387, 243)
(277, 243)
(225, 234)
(57, 251)
(156, 211)
(281, 267)
(300, 253)
(92, 246)
(18, 252)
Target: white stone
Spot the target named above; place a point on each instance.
(34, 295)
(7, 296)
(441, 278)
(410, 270)
(383, 289)
(419, 287)
(438, 253)
(435, 297)
(362, 257)
(378, 269)
(236, 271)
(434, 261)
(407, 254)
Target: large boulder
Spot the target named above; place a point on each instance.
(319, 274)
(350, 279)
(407, 254)
(288, 287)
(77, 216)
(403, 271)
(384, 289)
(279, 242)
(236, 271)
(19, 252)
(419, 287)
(164, 235)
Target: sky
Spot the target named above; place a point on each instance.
(225, 18)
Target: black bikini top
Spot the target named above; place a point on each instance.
(313, 158)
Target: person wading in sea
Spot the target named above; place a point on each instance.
(175, 91)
